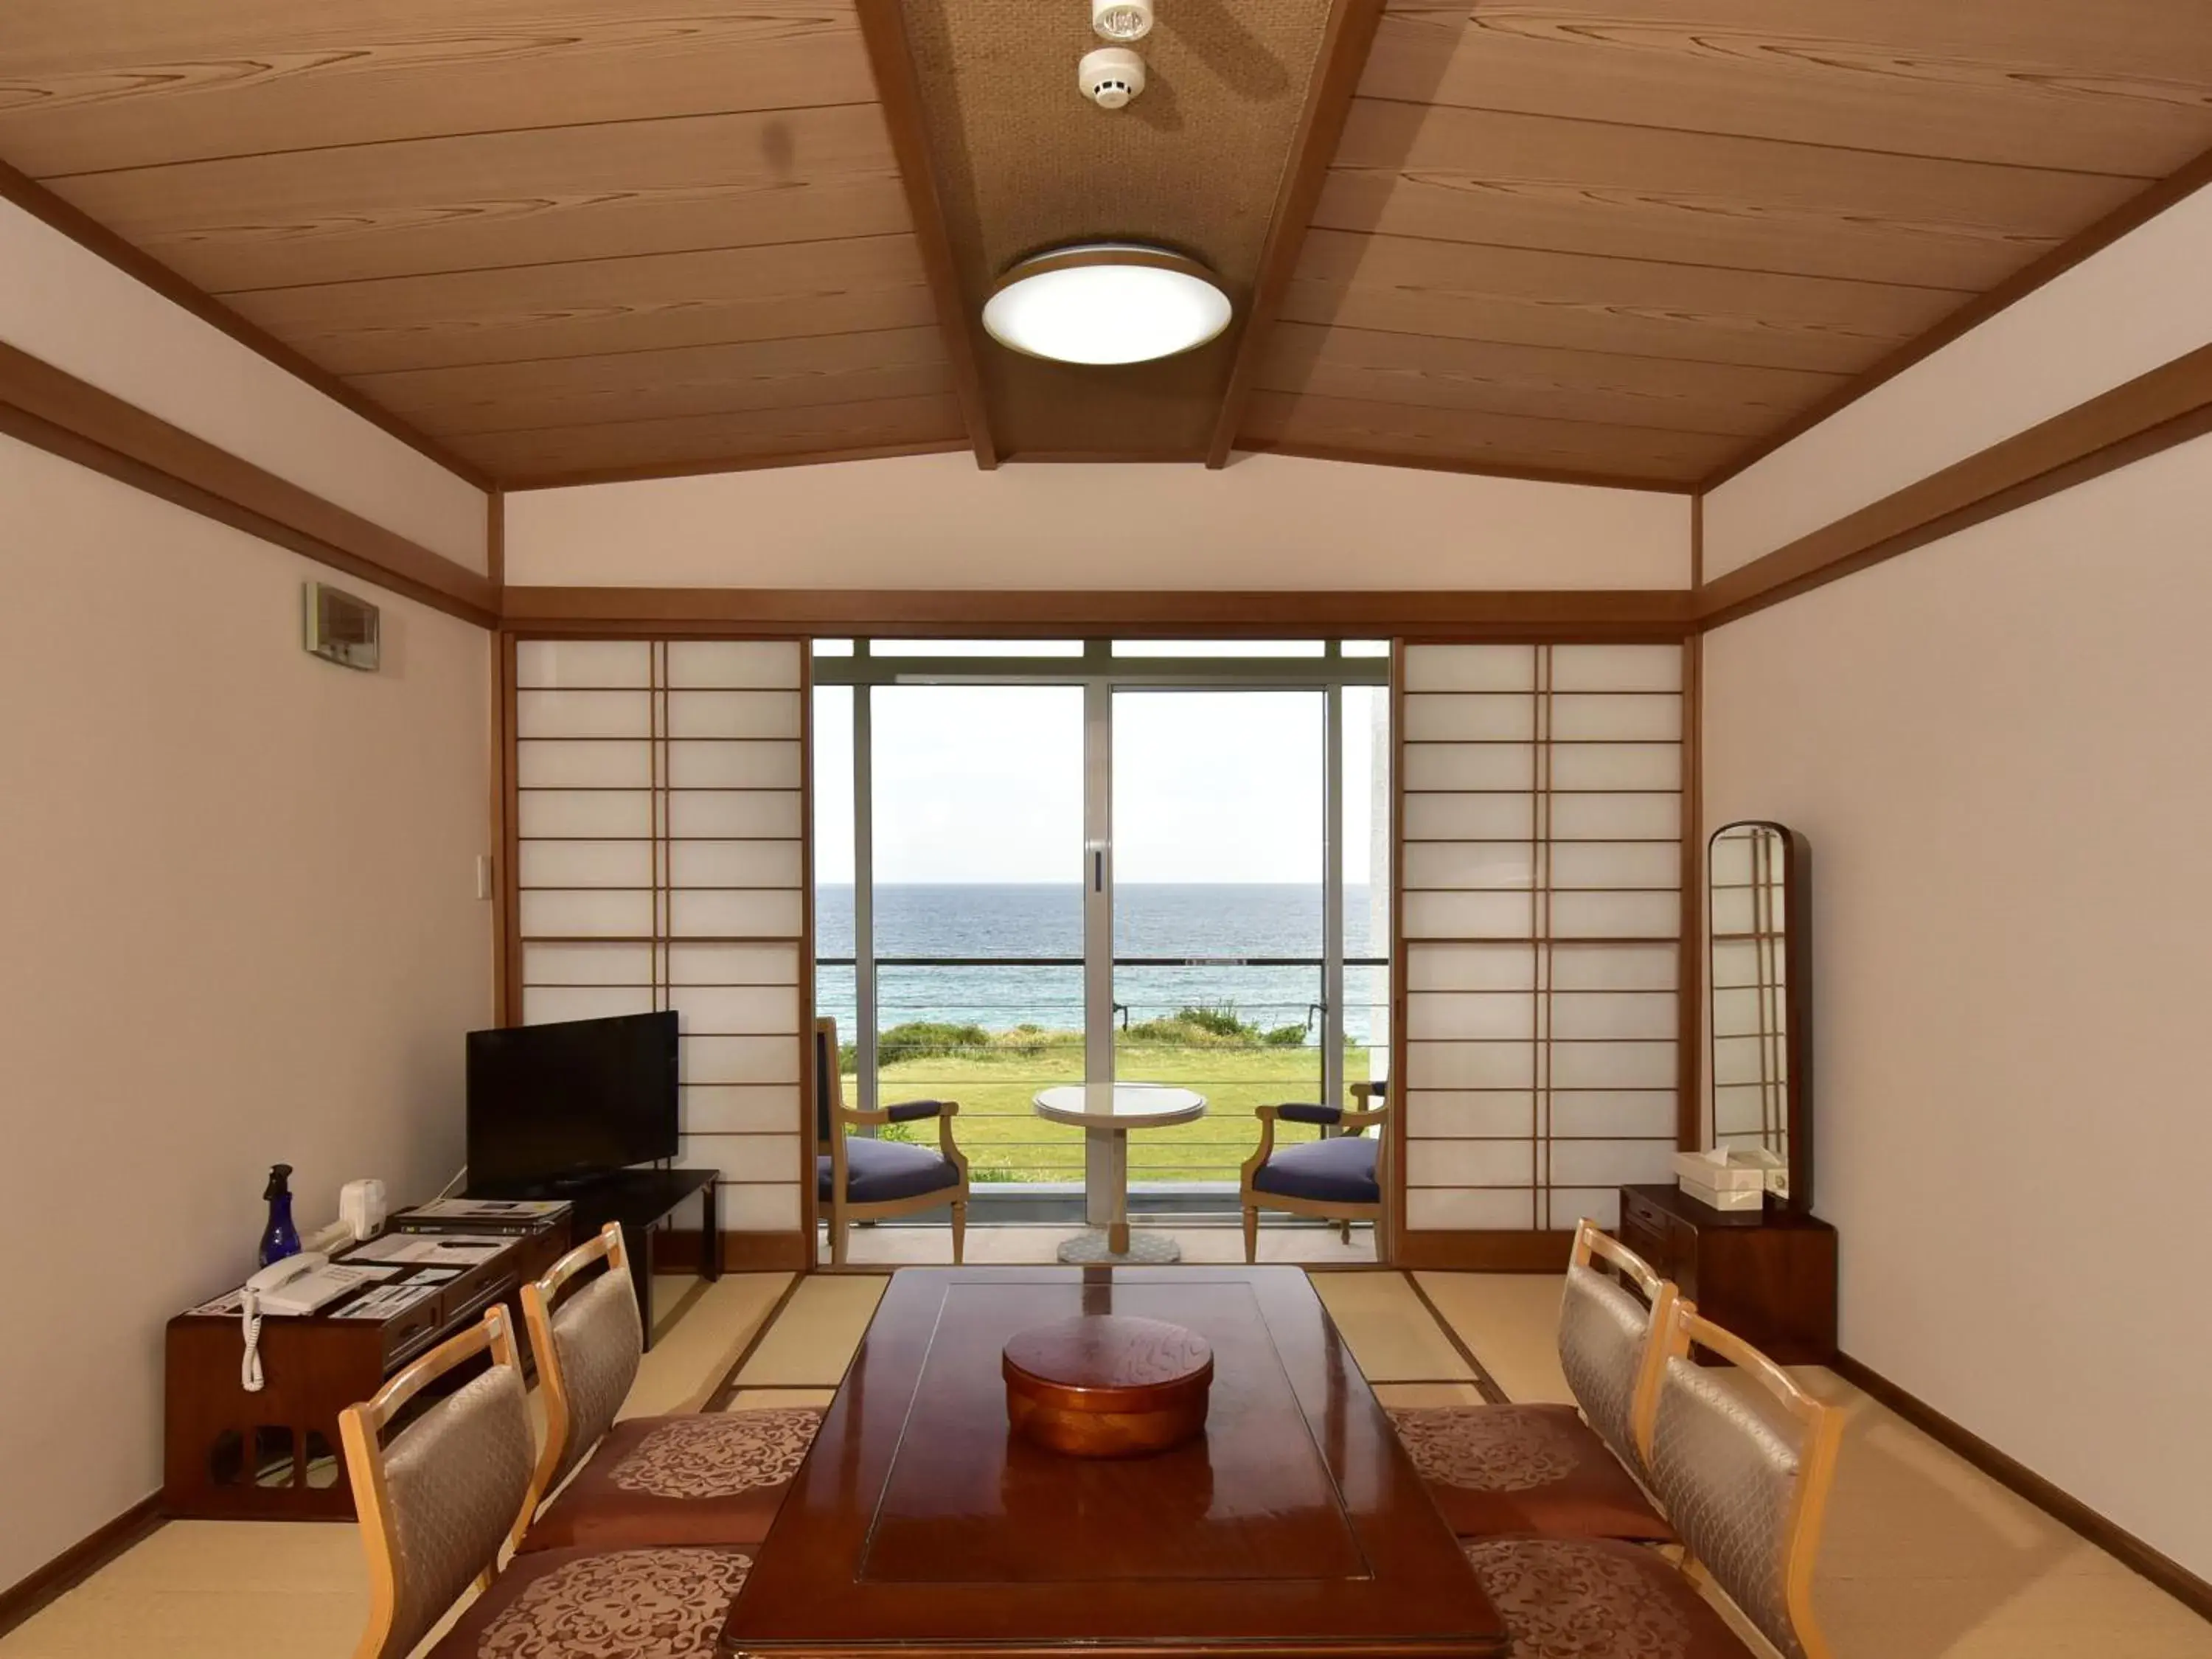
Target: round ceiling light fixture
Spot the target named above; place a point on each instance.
(1106, 302)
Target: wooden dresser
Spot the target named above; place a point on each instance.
(1768, 1276)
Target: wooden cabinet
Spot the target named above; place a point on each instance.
(1769, 1276)
(231, 1454)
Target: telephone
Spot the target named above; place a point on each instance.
(300, 1284)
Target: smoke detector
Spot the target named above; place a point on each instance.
(1121, 19)
(1111, 75)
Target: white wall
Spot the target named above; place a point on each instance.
(1997, 746)
(70, 308)
(239, 926)
(937, 521)
(2127, 309)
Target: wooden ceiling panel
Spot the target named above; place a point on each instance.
(647, 303)
(93, 84)
(1541, 382)
(1531, 195)
(576, 453)
(1700, 198)
(1531, 297)
(418, 207)
(1509, 443)
(2100, 86)
(1627, 238)
(638, 385)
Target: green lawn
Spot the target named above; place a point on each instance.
(1006, 1141)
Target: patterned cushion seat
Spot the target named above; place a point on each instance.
(712, 1478)
(878, 1171)
(1597, 1598)
(631, 1604)
(1497, 1470)
(1339, 1170)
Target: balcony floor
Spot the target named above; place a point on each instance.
(887, 1246)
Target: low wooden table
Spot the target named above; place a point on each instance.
(1295, 1526)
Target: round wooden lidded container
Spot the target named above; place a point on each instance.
(1107, 1385)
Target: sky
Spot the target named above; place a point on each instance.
(985, 784)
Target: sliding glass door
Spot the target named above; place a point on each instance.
(1062, 861)
(1220, 841)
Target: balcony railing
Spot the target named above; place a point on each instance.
(991, 1031)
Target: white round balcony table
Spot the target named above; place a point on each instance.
(1111, 1111)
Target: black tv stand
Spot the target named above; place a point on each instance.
(639, 1200)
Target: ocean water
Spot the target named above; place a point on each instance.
(1181, 921)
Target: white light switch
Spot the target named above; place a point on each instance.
(483, 875)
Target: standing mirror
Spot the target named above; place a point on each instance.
(1759, 1015)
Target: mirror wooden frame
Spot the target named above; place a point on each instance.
(1797, 1003)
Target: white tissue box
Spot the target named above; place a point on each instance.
(1744, 1171)
(1723, 1198)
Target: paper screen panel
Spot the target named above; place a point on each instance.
(594, 665)
(1541, 915)
(660, 864)
(583, 714)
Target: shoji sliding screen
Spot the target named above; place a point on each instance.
(660, 863)
(1540, 917)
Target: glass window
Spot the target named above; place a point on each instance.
(1220, 647)
(975, 647)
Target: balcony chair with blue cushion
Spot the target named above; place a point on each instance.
(863, 1178)
(1338, 1177)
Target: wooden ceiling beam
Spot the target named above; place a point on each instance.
(1342, 60)
(891, 55)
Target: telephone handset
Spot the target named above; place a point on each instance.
(300, 1284)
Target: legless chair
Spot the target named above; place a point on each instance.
(1338, 1177)
(437, 1503)
(867, 1180)
(1547, 1469)
(711, 1478)
(1747, 1495)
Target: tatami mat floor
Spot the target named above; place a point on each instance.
(1924, 1557)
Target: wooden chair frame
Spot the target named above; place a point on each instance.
(359, 1429)
(842, 1213)
(1593, 1243)
(538, 1301)
(1823, 1429)
(1353, 1122)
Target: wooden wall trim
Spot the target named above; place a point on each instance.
(2062, 1506)
(65, 417)
(734, 464)
(1473, 468)
(507, 837)
(2169, 405)
(1487, 1252)
(54, 410)
(1595, 614)
(78, 1562)
(1342, 60)
(1690, 970)
(742, 1252)
(88, 234)
(2137, 211)
(891, 55)
(495, 538)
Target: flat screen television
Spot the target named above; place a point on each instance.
(554, 1105)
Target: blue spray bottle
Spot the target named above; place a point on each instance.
(280, 1238)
